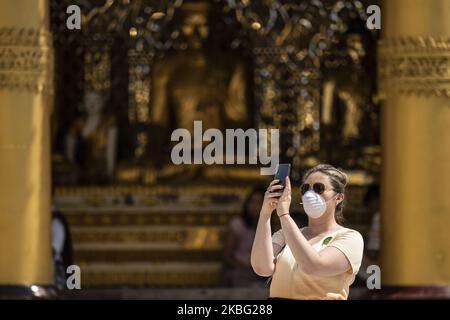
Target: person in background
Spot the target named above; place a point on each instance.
(371, 254)
(237, 270)
(62, 248)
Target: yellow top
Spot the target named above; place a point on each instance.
(289, 281)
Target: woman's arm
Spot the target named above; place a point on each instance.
(263, 252)
(328, 262)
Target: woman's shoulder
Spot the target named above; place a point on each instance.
(349, 234)
(349, 231)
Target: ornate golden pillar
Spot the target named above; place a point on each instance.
(414, 74)
(25, 106)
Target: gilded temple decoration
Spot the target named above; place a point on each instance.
(291, 41)
(415, 65)
(285, 43)
(26, 60)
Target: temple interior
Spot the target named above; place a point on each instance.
(87, 118)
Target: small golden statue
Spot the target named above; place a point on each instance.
(91, 142)
(347, 100)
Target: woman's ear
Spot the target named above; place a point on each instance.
(340, 198)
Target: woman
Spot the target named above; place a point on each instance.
(319, 261)
(237, 270)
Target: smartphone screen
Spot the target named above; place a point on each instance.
(283, 171)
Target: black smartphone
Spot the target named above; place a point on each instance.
(283, 171)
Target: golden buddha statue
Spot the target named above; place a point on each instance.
(347, 100)
(197, 82)
(91, 142)
(348, 90)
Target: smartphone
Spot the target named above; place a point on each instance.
(283, 171)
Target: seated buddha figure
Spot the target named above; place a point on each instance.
(196, 82)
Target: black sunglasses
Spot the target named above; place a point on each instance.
(318, 188)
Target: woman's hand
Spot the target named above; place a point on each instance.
(284, 202)
(271, 198)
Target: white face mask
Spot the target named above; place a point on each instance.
(314, 205)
